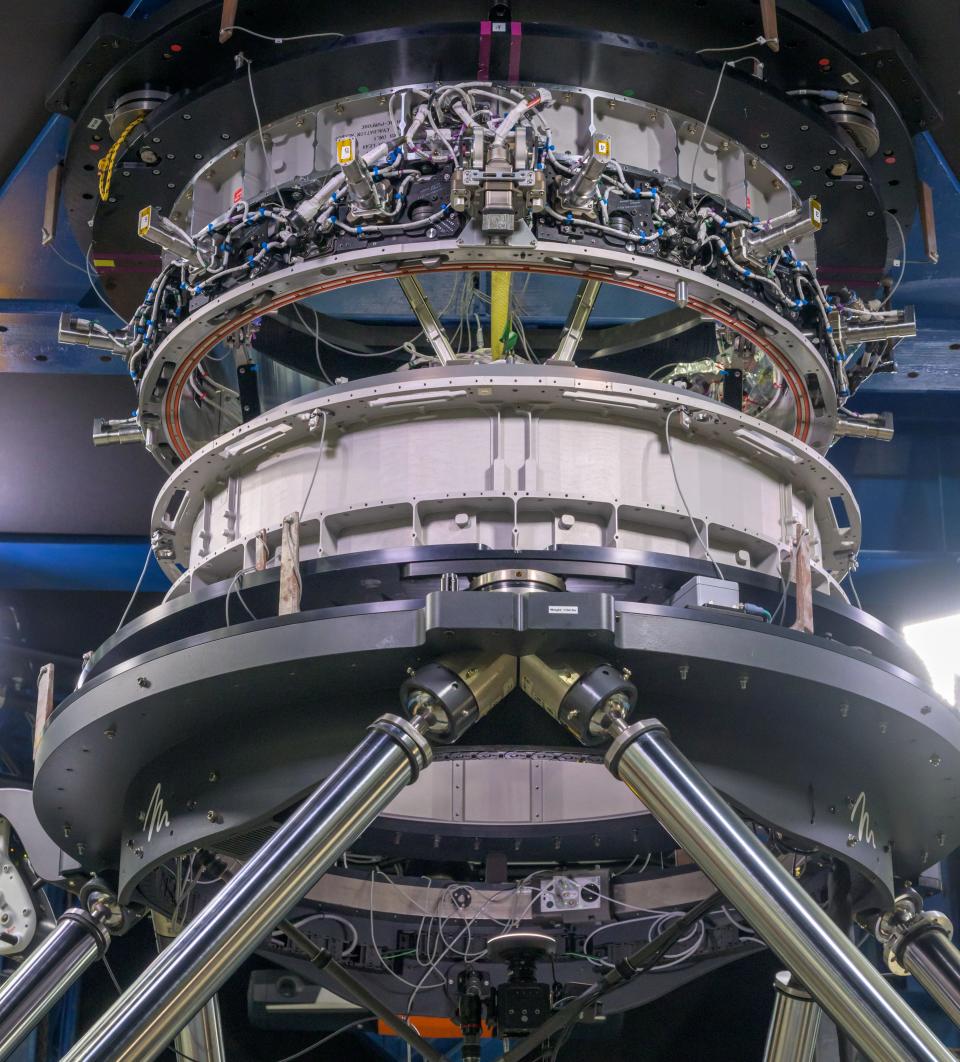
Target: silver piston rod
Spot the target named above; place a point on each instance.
(844, 982)
(79, 940)
(919, 942)
(140, 1025)
(794, 1024)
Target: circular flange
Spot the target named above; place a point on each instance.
(523, 580)
(811, 410)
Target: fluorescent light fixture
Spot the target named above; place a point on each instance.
(937, 643)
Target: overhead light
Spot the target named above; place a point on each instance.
(935, 642)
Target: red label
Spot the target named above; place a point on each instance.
(237, 195)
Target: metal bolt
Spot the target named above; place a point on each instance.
(143, 682)
(213, 776)
(941, 839)
(684, 670)
(935, 760)
(851, 841)
(844, 711)
(214, 816)
(110, 732)
(339, 108)
(81, 848)
(832, 809)
(626, 674)
(744, 680)
(4, 918)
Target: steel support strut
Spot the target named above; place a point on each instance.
(838, 976)
(919, 942)
(79, 939)
(794, 1024)
(201, 1038)
(180, 980)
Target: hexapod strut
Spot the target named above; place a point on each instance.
(81, 937)
(791, 923)
(920, 943)
(195, 963)
(174, 987)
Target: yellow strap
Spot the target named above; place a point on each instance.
(499, 310)
(106, 164)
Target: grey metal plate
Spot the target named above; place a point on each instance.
(814, 725)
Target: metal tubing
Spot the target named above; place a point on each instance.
(843, 981)
(30, 991)
(577, 318)
(934, 961)
(433, 330)
(175, 986)
(201, 1039)
(794, 1024)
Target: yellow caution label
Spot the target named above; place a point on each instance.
(104, 263)
(816, 214)
(143, 221)
(601, 146)
(346, 150)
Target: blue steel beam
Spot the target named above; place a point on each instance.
(47, 562)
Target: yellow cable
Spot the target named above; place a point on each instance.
(499, 310)
(106, 165)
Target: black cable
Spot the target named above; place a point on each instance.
(563, 1020)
